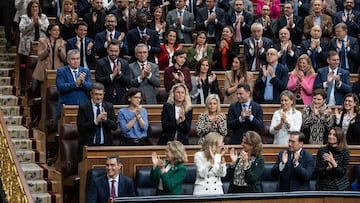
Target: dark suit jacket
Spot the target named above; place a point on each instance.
(246, 27)
(202, 15)
(90, 56)
(290, 60)
(133, 37)
(268, 31)
(279, 83)
(353, 27)
(320, 56)
(250, 58)
(120, 83)
(121, 21)
(352, 134)
(294, 178)
(352, 55)
(239, 128)
(83, 7)
(69, 92)
(99, 191)
(87, 127)
(170, 127)
(339, 92)
(295, 33)
(188, 22)
(96, 27)
(100, 40)
(233, 51)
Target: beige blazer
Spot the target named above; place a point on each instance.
(326, 26)
(229, 99)
(45, 58)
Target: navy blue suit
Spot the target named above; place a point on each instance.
(245, 28)
(320, 56)
(83, 7)
(99, 191)
(262, 56)
(90, 55)
(294, 178)
(69, 93)
(87, 127)
(295, 33)
(170, 126)
(100, 40)
(353, 27)
(279, 83)
(290, 60)
(119, 83)
(339, 92)
(133, 38)
(239, 128)
(203, 14)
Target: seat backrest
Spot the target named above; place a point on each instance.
(189, 180)
(154, 133)
(268, 183)
(161, 95)
(116, 136)
(52, 97)
(92, 174)
(68, 146)
(355, 174)
(143, 185)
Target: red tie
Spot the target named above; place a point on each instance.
(113, 192)
(257, 58)
(113, 65)
(142, 66)
(238, 30)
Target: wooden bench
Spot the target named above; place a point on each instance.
(132, 158)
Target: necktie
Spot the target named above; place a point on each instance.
(98, 127)
(342, 55)
(257, 58)
(180, 33)
(329, 89)
(313, 58)
(76, 75)
(244, 107)
(82, 52)
(211, 28)
(113, 69)
(238, 30)
(347, 18)
(283, 58)
(113, 189)
(142, 66)
(111, 36)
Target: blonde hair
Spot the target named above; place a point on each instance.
(186, 102)
(208, 100)
(74, 15)
(254, 140)
(178, 151)
(310, 69)
(212, 140)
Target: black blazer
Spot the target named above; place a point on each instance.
(99, 191)
(246, 28)
(90, 56)
(170, 127)
(279, 83)
(233, 51)
(294, 178)
(96, 27)
(202, 15)
(120, 83)
(295, 33)
(133, 37)
(290, 60)
(239, 128)
(87, 127)
(352, 134)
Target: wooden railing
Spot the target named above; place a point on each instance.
(132, 158)
(12, 177)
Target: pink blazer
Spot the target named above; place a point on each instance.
(307, 87)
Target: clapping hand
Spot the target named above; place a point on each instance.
(233, 156)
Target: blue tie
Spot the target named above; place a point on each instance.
(329, 89)
(342, 55)
(296, 7)
(211, 26)
(313, 58)
(98, 127)
(283, 59)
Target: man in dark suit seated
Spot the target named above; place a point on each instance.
(211, 19)
(294, 166)
(315, 48)
(95, 120)
(103, 38)
(335, 80)
(288, 52)
(113, 72)
(73, 82)
(272, 79)
(244, 115)
(142, 34)
(110, 185)
(84, 44)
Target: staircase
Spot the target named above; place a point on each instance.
(30, 144)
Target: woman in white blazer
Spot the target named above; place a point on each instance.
(210, 166)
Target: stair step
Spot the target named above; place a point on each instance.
(18, 131)
(10, 110)
(4, 72)
(4, 50)
(3, 41)
(32, 171)
(43, 197)
(13, 120)
(26, 156)
(7, 56)
(8, 100)
(7, 64)
(5, 80)
(37, 186)
(6, 89)
(22, 144)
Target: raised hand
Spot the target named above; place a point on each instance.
(284, 157)
(233, 155)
